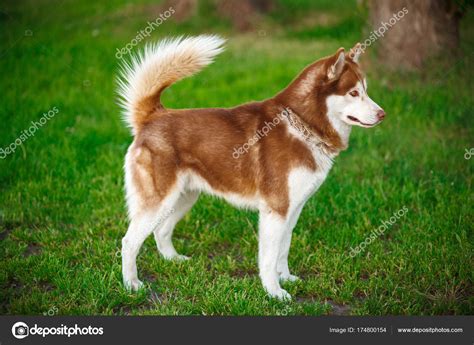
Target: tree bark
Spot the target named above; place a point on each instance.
(427, 28)
(243, 14)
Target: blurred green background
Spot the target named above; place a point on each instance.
(62, 213)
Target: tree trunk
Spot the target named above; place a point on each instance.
(243, 14)
(408, 32)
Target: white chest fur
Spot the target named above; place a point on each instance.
(303, 182)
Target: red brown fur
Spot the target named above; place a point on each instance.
(176, 154)
(202, 140)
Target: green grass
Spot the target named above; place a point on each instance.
(62, 213)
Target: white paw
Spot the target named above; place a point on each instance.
(133, 284)
(176, 257)
(289, 278)
(180, 257)
(281, 294)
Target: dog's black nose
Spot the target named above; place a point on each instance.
(381, 114)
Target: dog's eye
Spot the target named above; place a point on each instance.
(354, 93)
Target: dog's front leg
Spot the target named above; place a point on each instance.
(272, 229)
(282, 264)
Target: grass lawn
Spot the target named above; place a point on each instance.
(62, 212)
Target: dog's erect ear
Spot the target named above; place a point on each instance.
(336, 67)
(355, 52)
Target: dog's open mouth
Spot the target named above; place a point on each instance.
(354, 119)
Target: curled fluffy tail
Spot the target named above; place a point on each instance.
(143, 79)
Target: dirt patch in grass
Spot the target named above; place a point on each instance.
(242, 272)
(32, 249)
(12, 284)
(6, 228)
(359, 295)
(5, 233)
(338, 309)
(150, 277)
(15, 284)
(220, 249)
(335, 308)
(46, 286)
(305, 299)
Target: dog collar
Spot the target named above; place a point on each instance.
(312, 138)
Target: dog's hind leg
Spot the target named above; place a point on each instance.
(141, 225)
(146, 207)
(164, 232)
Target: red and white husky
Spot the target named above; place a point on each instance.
(177, 154)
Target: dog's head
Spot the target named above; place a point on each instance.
(347, 99)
